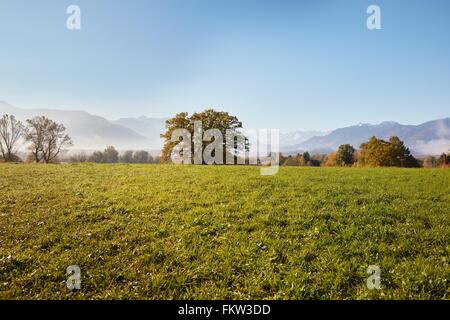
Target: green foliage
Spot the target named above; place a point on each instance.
(223, 232)
(301, 160)
(345, 155)
(210, 119)
(304, 159)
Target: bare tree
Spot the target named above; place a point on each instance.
(55, 140)
(110, 155)
(142, 156)
(97, 157)
(47, 139)
(126, 157)
(78, 157)
(10, 133)
(34, 134)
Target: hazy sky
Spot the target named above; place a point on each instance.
(275, 64)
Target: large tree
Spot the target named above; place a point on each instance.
(10, 132)
(226, 124)
(400, 154)
(392, 153)
(47, 139)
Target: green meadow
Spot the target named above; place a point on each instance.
(223, 232)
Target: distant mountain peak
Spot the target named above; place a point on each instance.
(432, 137)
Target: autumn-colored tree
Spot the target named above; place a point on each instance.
(359, 159)
(330, 160)
(375, 153)
(227, 124)
(392, 153)
(291, 161)
(180, 121)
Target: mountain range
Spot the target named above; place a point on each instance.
(91, 132)
(432, 137)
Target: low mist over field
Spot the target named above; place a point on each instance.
(91, 132)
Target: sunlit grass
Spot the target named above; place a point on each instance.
(223, 232)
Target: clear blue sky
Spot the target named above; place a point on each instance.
(275, 64)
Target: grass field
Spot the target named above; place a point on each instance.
(223, 232)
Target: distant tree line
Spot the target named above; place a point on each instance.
(45, 139)
(374, 153)
(111, 155)
(443, 161)
(302, 159)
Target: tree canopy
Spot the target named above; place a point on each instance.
(227, 124)
(392, 153)
(10, 132)
(345, 155)
(46, 138)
